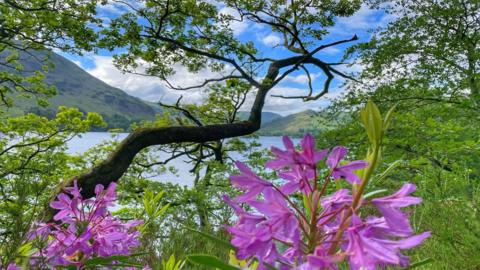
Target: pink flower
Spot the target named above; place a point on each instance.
(298, 179)
(290, 157)
(13, 266)
(281, 218)
(320, 260)
(309, 155)
(66, 206)
(390, 206)
(345, 171)
(248, 181)
(303, 222)
(86, 228)
(285, 158)
(256, 241)
(367, 250)
(333, 206)
(246, 219)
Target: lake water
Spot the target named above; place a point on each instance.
(81, 144)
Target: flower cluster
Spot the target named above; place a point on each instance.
(298, 226)
(84, 229)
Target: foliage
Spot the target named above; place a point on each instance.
(434, 145)
(37, 24)
(32, 162)
(172, 264)
(432, 45)
(425, 61)
(206, 35)
(77, 88)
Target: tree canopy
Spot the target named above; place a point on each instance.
(38, 25)
(154, 36)
(432, 45)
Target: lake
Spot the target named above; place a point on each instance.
(81, 144)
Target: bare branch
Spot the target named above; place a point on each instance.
(185, 112)
(326, 86)
(205, 82)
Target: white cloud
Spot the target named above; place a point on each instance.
(77, 62)
(111, 8)
(271, 40)
(331, 51)
(363, 20)
(353, 68)
(301, 79)
(237, 25)
(154, 90)
(289, 106)
(147, 87)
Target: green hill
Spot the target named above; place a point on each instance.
(267, 117)
(77, 88)
(293, 125)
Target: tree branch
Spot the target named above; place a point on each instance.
(185, 112)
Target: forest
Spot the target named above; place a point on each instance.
(382, 170)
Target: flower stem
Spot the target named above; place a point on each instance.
(356, 200)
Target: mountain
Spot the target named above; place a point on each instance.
(293, 125)
(77, 88)
(267, 117)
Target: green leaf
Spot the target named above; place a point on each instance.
(123, 259)
(388, 118)
(162, 210)
(211, 261)
(26, 249)
(389, 169)
(373, 193)
(213, 238)
(419, 263)
(172, 263)
(372, 121)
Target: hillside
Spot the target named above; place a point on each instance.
(267, 117)
(77, 88)
(293, 125)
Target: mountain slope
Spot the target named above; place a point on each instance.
(293, 125)
(77, 88)
(267, 117)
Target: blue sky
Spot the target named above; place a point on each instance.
(101, 66)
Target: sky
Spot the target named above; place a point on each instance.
(153, 89)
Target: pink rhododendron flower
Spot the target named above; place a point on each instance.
(390, 208)
(298, 226)
(298, 179)
(281, 218)
(368, 250)
(345, 171)
(86, 229)
(320, 259)
(286, 158)
(333, 207)
(248, 181)
(13, 266)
